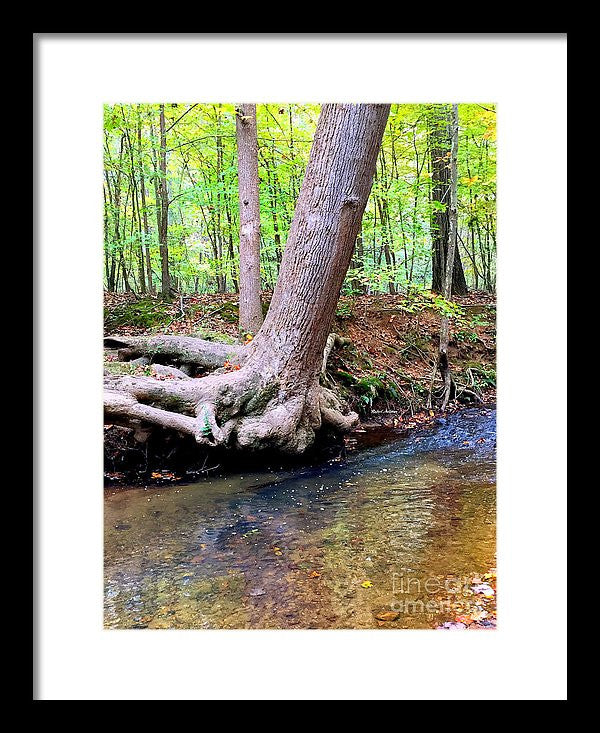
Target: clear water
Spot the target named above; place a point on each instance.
(399, 527)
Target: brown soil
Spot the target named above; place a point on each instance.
(385, 373)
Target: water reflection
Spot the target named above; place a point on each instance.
(326, 547)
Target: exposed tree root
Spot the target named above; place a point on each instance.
(332, 412)
(167, 371)
(176, 350)
(120, 405)
(274, 399)
(332, 340)
(248, 409)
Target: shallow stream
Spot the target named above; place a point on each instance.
(399, 528)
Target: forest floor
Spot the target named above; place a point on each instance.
(385, 373)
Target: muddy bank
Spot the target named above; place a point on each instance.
(384, 374)
(165, 459)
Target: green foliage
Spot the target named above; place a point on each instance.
(120, 367)
(373, 387)
(203, 218)
(346, 378)
(465, 327)
(484, 376)
(419, 299)
(480, 319)
(208, 335)
(368, 389)
(466, 335)
(230, 312)
(204, 422)
(344, 310)
(446, 307)
(144, 313)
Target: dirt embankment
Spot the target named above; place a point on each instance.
(385, 373)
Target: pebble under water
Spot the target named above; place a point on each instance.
(397, 529)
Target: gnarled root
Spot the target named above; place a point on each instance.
(249, 408)
(245, 409)
(333, 340)
(176, 350)
(332, 412)
(119, 406)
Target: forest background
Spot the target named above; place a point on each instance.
(171, 197)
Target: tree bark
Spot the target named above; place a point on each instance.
(440, 219)
(135, 213)
(164, 210)
(144, 208)
(275, 401)
(452, 250)
(251, 315)
(176, 350)
(221, 271)
(231, 252)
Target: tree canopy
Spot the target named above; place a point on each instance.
(393, 251)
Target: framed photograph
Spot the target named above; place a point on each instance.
(303, 427)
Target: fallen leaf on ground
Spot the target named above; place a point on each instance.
(387, 616)
(464, 620)
(483, 589)
(366, 584)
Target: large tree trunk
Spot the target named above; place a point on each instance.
(251, 315)
(275, 401)
(440, 218)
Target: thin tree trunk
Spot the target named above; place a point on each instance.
(452, 248)
(106, 240)
(273, 207)
(471, 230)
(251, 315)
(115, 201)
(135, 214)
(221, 272)
(164, 211)
(111, 281)
(149, 283)
(440, 220)
(234, 278)
(386, 246)
(126, 285)
(356, 263)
